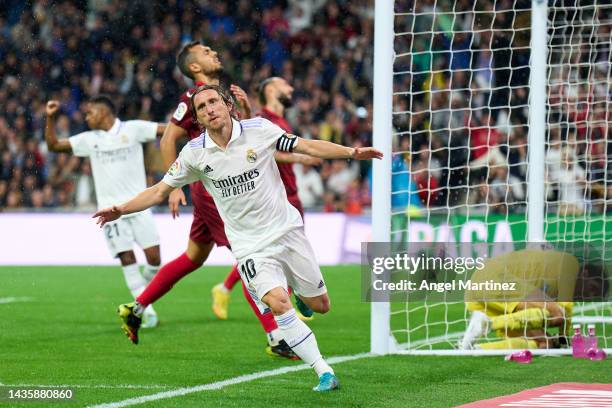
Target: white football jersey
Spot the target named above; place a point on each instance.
(244, 182)
(117, 161)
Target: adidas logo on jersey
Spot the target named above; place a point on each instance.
(321, 284)
(207, 169)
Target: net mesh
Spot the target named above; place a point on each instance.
(460, 151)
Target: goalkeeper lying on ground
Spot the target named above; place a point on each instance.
(547, 283)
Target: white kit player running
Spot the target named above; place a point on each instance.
(235, 161)
(115, 150)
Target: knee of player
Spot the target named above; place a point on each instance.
(154, 260)
(127, 258)
(278, 302)
(321, 305)
(325, 306)
(280, 305)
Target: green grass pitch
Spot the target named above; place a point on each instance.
(68, 333)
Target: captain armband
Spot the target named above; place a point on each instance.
(286, 143)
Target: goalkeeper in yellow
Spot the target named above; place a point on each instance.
(546, 282)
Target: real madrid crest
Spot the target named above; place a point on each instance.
(124, 139)
(251, 156)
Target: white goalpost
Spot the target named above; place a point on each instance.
(494, 118)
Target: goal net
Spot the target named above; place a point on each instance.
(483, 152)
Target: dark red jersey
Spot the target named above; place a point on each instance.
(183, 117)
(207, 224)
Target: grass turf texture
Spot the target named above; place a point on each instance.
(69, 334)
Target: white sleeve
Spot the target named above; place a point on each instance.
(181, 172)
(277, 137)
(144, 130)
(80, 144)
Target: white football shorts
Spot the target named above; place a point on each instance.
(120, 235)
(288, 261)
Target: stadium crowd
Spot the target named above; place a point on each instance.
(460, 108)
(462, 119)
(69, 51)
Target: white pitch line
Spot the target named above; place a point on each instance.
(222, 384)
(5, 300)
(118, 386)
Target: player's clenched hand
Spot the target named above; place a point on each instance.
(107, 215)
(242, 99)
(52, 107)
(176, 197)
(366, 153)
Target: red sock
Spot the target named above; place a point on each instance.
(232, 278)
(165, 279)
(267, 320)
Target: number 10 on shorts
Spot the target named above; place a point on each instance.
(248, 269)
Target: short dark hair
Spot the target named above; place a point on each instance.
(261, 90)
(182, 59)
(106, 101)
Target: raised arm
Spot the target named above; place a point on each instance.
(53, 143)
(167, 146)
(146, 199)
(244, 105)
(328, 150)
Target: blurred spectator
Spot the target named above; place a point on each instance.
(84, 190)
(484, 142)
(71, 51)
(309, 184)
(403, 188)
(460, 103)
(341, 176)
(571, 180)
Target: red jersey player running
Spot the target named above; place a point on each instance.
(275, 95)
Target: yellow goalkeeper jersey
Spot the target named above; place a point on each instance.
(529, 274)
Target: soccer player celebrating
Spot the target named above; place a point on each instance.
(275, 95)
(235, 161)
(547, 283)
(115, 150)
(201, 64)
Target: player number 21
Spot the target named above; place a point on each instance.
(108, 229)
(248, 269)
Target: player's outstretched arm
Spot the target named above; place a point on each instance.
(167, 146)
(284, 157)
(328, 150)
(146, 199)
(53, 143)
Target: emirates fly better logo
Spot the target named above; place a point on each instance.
(232, 186)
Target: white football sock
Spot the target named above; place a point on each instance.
(274, 337)
(136, 283)
(149, 271)
(134, 280)
(302, 341)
